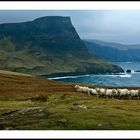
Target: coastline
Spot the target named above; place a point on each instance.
(78, 74)
(105, 79)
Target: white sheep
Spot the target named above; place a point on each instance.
(93, 91)
(108, 93)
(97, 89)
(134, 94)
(139, 94)
(123, 92)
(114, 93)
(83, 89)
(78, 87)
(102, 92)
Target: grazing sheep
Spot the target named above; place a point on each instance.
(139, 94)
(78, 87)
(114, 93)
(102, 92)
(93, 92)
(83, 89)
(97, 89)
(123, 93)
(134, 94)
(108, 93)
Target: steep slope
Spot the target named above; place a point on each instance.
(47, 45)
(111, 53)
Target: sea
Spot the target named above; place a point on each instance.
(120, 79)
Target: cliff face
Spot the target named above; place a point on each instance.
(55, 34)
(47, 45)
(113, 54)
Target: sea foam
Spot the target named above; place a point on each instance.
(65, 77)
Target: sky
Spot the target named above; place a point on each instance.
(121, 26)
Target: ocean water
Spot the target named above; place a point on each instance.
(124, 79)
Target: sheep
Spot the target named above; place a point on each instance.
(78, 87)
(108, 93)
(93, 91)
(134, 94)
(139, 94)
(114, 93)
(83, 89)
(97, 89)
(86, 90)
(102, 92)
(123, 92)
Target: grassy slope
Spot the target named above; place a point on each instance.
(33, 59)
(60, 107)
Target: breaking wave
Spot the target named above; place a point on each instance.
(65, 77)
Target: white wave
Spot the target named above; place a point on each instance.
(123, 76)
(114, 75)
(65, 77)
(132, 71)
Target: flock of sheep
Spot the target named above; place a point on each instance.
(110, 93)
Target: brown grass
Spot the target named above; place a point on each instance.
(20, 95)
(14, 85)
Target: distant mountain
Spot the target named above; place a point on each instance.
(114, 44)
(113, 51)
(47, 45)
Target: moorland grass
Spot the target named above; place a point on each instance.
(30, 103)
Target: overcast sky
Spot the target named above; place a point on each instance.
(122, 26)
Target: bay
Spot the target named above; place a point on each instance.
(124, 79)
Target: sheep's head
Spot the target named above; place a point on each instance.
(76, 86)
(97, 89)
(114, 91)
(118, 90)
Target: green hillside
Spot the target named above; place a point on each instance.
(47, 45)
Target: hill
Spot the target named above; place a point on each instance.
(48, 45)
(30, 103)
(113, 52)
(116, 45)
